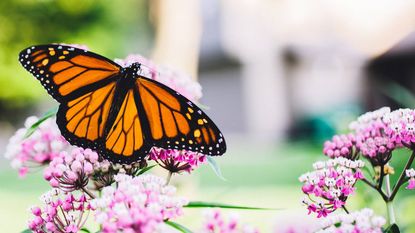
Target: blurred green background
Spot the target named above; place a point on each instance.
(277, 83)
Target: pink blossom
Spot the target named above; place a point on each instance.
(410, 173)
(71, 171)
(216, 222)
(176, 80)
(340, 145)
(61, 213)
(38, 149)
(138, 204)
(330, 184)
(358, 221)
(401, 127)
(177, 161)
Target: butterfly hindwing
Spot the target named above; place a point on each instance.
(67, 72)
(126, 142)
(176, 122)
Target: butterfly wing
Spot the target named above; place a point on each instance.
(67, 72)
(84, 83)
(176, 122)
(126, 141)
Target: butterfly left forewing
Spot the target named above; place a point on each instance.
(67, 72)
(176, 122)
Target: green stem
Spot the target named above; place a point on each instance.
(168, 178)
(401, 179)
(389, 204)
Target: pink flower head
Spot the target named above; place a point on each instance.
(401, 127)
(216, 222)
(358, 221)
(340, 146)
(138, 204)
(410, 173)
(371, 138)
(330, 184)
(71, 171)
(38, 149)
(61, 213)
(177, 161)
(178, 81)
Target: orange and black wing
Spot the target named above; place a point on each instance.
(85, 85)
(175, 122)
(67, 72)
(125, 141)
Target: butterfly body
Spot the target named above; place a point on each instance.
(115, 110)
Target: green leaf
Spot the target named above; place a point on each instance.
(26, 231)
(85, 230)
(392, 229)
(202, 204)
(215, 167)
(144, 170)
(178, 227)
(47, 115)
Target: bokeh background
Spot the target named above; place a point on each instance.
(279, 77)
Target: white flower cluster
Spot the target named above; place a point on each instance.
(359, 221)
(368, 119)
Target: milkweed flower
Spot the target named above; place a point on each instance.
(177, 161)
(340, 146)
(176, 80)
(137, 204)
(61, 212)
(401, 127)
(71, 171)
(216, 222)
(372, 140)
(38, 149)
(330, 184)
(358, 221)
(410, 174)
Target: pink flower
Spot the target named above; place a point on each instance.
(215, 222)
(138, 204)
(61, 213)
(178, 81)
(401, 127)
(330, 184)
(177, 161)
(410, 173)
(356, 222)
(38, 149)
(71, 171)
(340, 146)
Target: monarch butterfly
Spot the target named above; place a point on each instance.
(115, 110)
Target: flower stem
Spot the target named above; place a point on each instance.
(401, 179)
(89, 193)
(389, 203)
(169, 177)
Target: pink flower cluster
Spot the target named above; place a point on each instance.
(340, 146)
(215, 222)
(138, 204)
(358, 221)
(330, 184)
(177, 161)
(61, 213)
(401, 127)
(410, 173)
(176, 80)
(71, 171)
(38, 149)
(371, 138)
